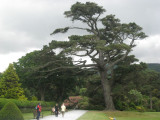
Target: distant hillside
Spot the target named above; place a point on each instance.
(154, 66)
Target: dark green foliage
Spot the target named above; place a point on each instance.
(94, 92)
(156, 104)
(135, 78)
(60, 30)
(25, 103)
(105, 45)
(83, 91)
(154, 66)
(46, 70)
(11, 112)
(88, 9)
(83, 103)
(134, 86)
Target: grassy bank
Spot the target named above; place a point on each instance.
(29, 116)
(103, 115)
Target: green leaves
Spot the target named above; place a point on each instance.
(80, 11)
(10, 86)
(59, 44)
(109, 41)
(11, 112)
(110, 21)
(60, 30)
(136, 95)
(133, 31)
(113, 47)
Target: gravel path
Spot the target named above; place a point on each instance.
(71, 115)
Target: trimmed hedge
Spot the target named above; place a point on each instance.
(11, 112)
(25, 103)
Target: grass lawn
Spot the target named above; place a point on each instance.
(29, 116)
(119, 115)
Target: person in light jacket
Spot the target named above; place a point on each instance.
(63, 109)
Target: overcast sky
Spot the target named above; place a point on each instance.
(25, 25)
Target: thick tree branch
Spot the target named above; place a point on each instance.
(80, 28)
(70, 67)
(92, 57)
(118, 60)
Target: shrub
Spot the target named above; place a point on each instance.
(95, 107)
(156, 105)
(118, 105)
(72, 101)
(3, 101)
(84, 103)
(25, 103)
(11, 112)
(83, 91)
(132, 106)
(140, 108)
(34, 98)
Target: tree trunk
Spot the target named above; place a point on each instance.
(42, 91)
(107, 91)
(150, 101)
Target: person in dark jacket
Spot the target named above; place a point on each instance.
(56, 110)
(38, 110)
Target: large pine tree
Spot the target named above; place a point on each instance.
(108, 42)
(10, 86)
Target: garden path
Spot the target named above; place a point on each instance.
(70, 115)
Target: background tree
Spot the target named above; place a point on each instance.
(137, 77)
(0, 75)
(10, 86)
(108, 42)
(150, 85)
(46, 85)
(94, 92)
(24, 68)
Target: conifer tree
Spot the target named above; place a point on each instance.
(108, 42)
(10, 86)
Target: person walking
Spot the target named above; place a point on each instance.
(63, 109)
(38, 110)
(53, 109)
(56, 110)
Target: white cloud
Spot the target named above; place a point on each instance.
(27, 24)
(9, 58)
(148, 50)
(6, 59)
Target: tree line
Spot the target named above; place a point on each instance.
(112, 81)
